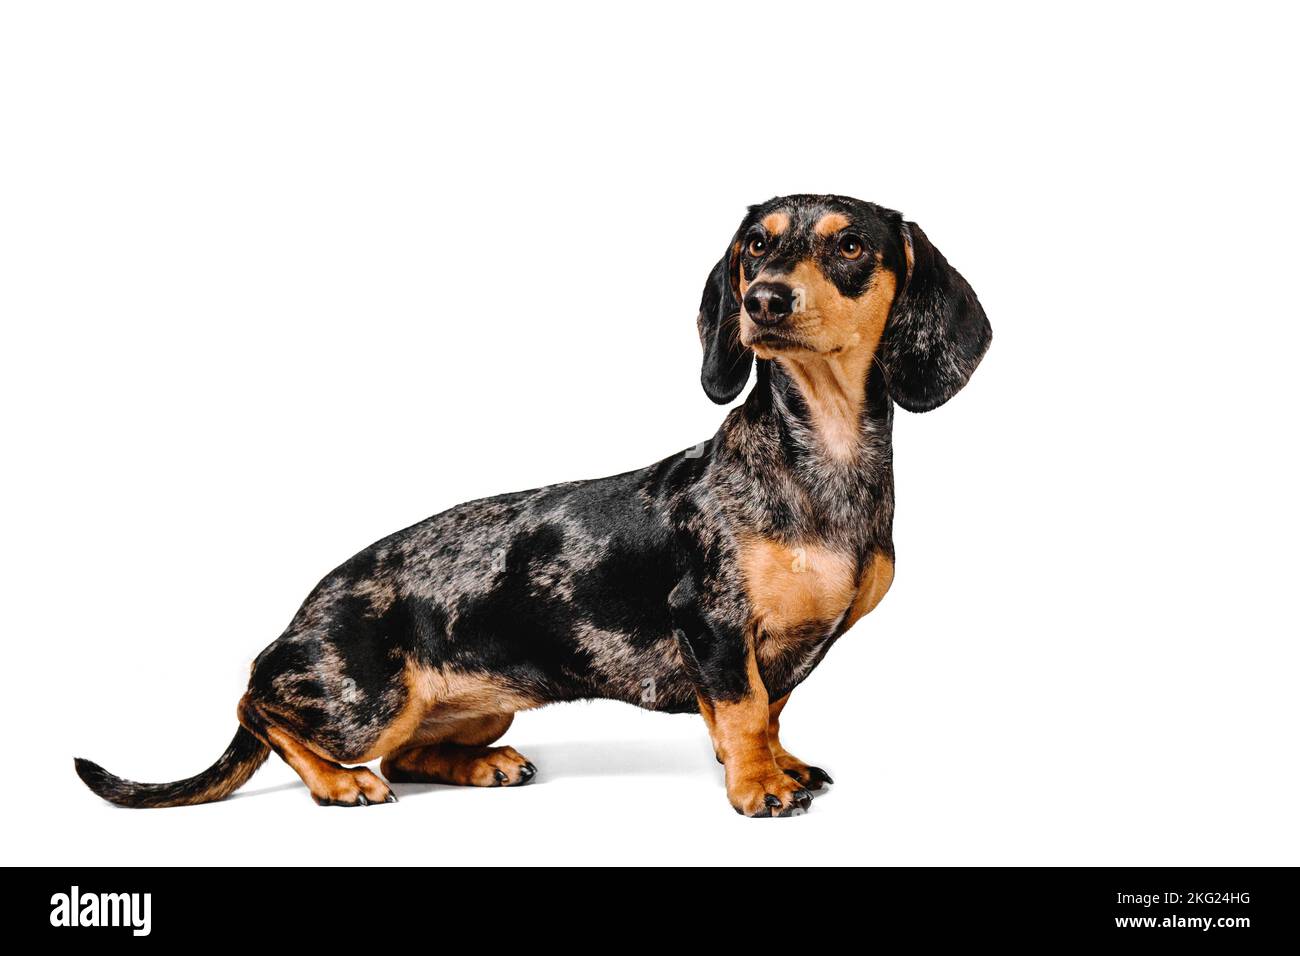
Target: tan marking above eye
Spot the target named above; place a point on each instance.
(831, 223)
(776, 222)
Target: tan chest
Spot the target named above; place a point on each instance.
(795, 588)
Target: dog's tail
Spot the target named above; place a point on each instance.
(231, 771)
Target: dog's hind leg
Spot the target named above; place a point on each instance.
(456, 751)
(331, 784)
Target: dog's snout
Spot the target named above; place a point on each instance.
(769, 303)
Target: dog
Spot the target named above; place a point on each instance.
(711, 582)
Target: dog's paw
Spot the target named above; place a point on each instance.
(812, 778)
(769, 794)
(501, 767)
(354, 787)
(462, 766)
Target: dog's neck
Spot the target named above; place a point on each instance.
(810, 475)
(833, 390)
(833, 408)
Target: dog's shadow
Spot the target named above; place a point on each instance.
(602, 758)
(591, 758)
(580, 758)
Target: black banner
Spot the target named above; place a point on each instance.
(136, 907)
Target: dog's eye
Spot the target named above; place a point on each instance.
(757, 246)
(851, 247)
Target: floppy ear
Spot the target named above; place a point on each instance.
(937, 332)
(727, 363)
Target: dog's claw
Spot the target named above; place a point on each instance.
(818, 775)
(500, 776)
(391, 798)
(362, 801)
(527, 772)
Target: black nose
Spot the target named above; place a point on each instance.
(768, 303)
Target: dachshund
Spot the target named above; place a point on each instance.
(711, 582)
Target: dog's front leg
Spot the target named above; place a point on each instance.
(734, 704)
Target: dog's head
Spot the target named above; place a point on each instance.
(820, 276)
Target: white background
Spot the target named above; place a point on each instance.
(278, 279)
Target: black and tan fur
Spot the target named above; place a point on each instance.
(712, 581)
